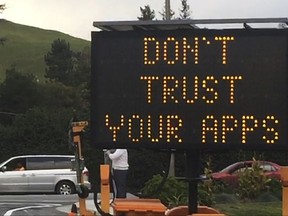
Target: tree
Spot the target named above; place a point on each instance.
(66, 66)
(81, 67)
(164, 11)
(2, 40)
(18, 92)
(146, 13)
(39, 130)
(2, 7)
(185, 12)
(59, 61)
(163, 14)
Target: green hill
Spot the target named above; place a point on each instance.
(25, 47)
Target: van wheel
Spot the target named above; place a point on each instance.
(65, 188)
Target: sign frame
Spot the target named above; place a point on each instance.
(104, 44)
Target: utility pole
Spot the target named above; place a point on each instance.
(172, 159)
(167, 10)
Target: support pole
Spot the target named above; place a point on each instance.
(192, 169)
(105, 187)
(77, 129)
(284, 177)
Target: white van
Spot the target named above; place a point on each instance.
(39, 173)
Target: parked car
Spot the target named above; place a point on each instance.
(39, 173)
(230, 174)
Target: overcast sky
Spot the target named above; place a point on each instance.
(76, 17)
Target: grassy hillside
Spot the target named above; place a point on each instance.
(26, 46)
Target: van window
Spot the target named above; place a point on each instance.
(14, 164)
(38, 163)
(63, 163)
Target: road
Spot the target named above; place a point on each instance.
(34, 205)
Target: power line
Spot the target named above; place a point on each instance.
(10, 113)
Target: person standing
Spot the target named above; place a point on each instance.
(120, 168)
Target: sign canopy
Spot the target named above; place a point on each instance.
(190, 89)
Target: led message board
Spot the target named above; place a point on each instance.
(190, 89)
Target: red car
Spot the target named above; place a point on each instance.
(230, 174)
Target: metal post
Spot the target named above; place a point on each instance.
(83, 193)
(193, 166)
(167, 10)
(172, 164)
(284, 178)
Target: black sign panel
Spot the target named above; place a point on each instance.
(190, 89)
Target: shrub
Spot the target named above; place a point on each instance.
(172, 193)
(205, 193)
(206, 187)
(252, 182)
(275, 188)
